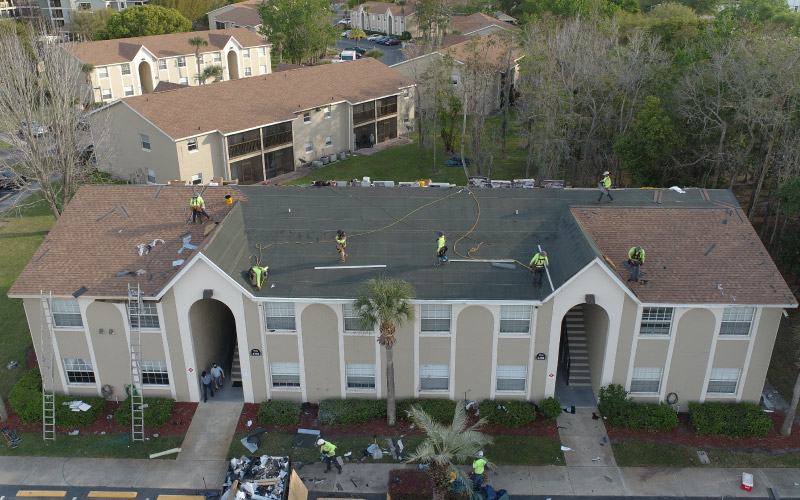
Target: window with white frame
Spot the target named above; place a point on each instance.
(262, 70)
(515, 319)
(309, 146)
(454, 79)
(151, 176)
(106, 94)
(327, 112)
(352, 321)
(128, 90)
(435, 318)
(126, 69)
(279, 316)
(328, 141)
(162, 64)
(196, 179)
(248, 72)
(306, 117)
(148, 316)
(285, 375)
(406, 93)
(262, 51)
(511, 378)
(646, 380)
(181, 61)
(79, 371)
(723, 380)
(85, 6)
(145, 141)
(217, 56)
(360, 376)
(656, 321)
(155, 373)
(102, 72)
(191, 145)
(737, 321)
(434, 377)
(184, 80)
(246, 53)
(66, 313)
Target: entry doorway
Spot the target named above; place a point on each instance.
(214, 339)
(581, 355)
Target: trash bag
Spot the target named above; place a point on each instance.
(375, 451)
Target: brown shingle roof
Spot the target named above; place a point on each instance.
(692, 255)
(467, 24)
(492, 49)
(98, 233)
(256, 101)
(121, 50)
(380, 8)
(164, 86)
(242, 14)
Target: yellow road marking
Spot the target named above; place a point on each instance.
(112, 494)
(41, 493)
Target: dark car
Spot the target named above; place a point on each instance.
(359, 50)
(392, 41)
(11, 180)
(456, 162)
(382, 40)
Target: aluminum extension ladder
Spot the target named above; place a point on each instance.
(136, 396)
(47, 368)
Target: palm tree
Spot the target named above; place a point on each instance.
(446, 445)
(213, 72)
(786, 428)
(279, 41)
(356, 34)
(198, 42)
(384, 301)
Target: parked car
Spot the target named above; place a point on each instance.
(392, 41)
(345, 34)
(374, 37)
(359, 50)
(35, 128)
(455, 161)
(11, 180)
(382, 39)
(344, 22)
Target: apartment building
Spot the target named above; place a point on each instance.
(389, 18)
(253, 129)
(477, 24)
(238, 15)
(701, 323)
(129, 67)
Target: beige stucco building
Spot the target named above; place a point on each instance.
(701, 324)
(263, 127)
(129, 67)
(389, 18)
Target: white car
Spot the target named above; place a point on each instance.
(345, 34)
(372, 38)
(344, 22)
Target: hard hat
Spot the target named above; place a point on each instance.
(320, 442)
(605, 173)
(197, 194)
(480, 453)
(543, 253)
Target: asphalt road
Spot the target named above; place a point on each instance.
(391, 55)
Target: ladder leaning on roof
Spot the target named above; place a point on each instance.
(47, 367)
(135, 389)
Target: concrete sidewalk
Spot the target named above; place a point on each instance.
(361, 478)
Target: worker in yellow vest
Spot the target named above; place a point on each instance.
(537, 265)
(478, 467)
(635, 260)
(341, 244)
(441, 251)
(198, 207)
(605, 187)
(328, 451)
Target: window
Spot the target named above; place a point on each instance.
(515, 319)
(84, 6)
(145, 141)
(280, 316)
(352, 322)
(406, 93)
(435, 318)
(262, 51)
(106, 94)
(66, 313)
(328, 141)
(148, 317)
(79, 371)
(248, 72)
(454, 79)
(656, 321)
(724, 380)
(327, 112)
(220, 25)
(162, 64)
(646, 380)
(434, 377)
(126, 69)
(197, 179)
(128, 90)
(155, 373)
(360, 376)
(262, 70)
(306, 117)
(151, 176)
(285, 374)
(217, 56)
(737, 321)
(181, 61)
(191, 145)
(184, 80)
(246, 53)
(102, 72)
(309, 146)
(511, 378)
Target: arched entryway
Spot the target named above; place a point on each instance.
(214, 339)
(145, 77)
(364, 21)
(581, 355)
(390, 28)
(233, 65)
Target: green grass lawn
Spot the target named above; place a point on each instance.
(91, 445)
(647, 454)
(19, 239)
(506, 450)
(782, 368)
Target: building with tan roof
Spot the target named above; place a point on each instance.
(477, 24)
(253, 129)
(237, 15)
(128, 67)
(389, 18)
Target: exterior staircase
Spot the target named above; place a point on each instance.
(577, 350)
(236, 369)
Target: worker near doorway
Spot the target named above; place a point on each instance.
(328, 451)
(635, 260)
(217, 374)
(478, 467)
(441, 251)
(341, 244)
(198, 207)
(605, 188)
(537, 265)
(205, 379)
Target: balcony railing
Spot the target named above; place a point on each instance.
(271, 141)
(388, 109)
(363, 116)
(244, 148)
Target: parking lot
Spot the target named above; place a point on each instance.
(392, 54)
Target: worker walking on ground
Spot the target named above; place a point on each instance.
(441, 251)
(217, 374)
(478, 467)
(537, 265)
(328, 450)
(206, 380)
(198, 207)
(605, 188)
(635, 260)
(341, 244)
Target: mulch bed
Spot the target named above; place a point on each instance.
(684, 435)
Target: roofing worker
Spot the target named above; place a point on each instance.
(537, 265)
(198, 207)
(477, 471)
(341, 244)
(441, 251)
(328, 450)
(605, 188)
(258, 275)
(635, 260)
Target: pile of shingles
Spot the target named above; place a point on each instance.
(257, 478)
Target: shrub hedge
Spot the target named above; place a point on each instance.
(550, 409)
(26, 401)
(439, 409)
(157, 413)
(730, 419)
(510, 413)
(615, 405)
(350, 411)
(279, 413)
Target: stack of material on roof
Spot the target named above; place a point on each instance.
(257, 478)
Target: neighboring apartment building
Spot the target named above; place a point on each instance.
(238, 15)
(701, 325)
(128, 67)
(477, 24)
(389, 18)
(254, 129)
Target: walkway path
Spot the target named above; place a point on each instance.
(211, 431)
(586, 437)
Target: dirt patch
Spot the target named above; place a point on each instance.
(684, 434)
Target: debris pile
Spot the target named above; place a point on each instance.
(257, 478)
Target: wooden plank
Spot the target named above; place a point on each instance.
(167, 452)
(297, 490)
